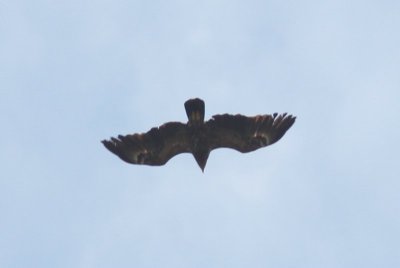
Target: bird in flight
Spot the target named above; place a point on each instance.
(199, 137)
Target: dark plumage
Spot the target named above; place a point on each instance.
(242, 133)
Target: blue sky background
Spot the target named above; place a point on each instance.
(75, 72)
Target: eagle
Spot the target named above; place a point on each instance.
(199, 137)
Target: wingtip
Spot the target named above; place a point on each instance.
(105, 142)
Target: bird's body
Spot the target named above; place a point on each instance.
(242, 133)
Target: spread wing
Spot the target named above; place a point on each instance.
(246, 134)
(154, 147)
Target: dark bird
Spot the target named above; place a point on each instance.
(199, 137)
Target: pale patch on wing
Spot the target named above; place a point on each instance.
(141, 157)
(261, 138)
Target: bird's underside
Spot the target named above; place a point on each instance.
(199, 137)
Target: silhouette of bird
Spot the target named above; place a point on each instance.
(199, 137)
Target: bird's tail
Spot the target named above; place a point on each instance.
(195, 111)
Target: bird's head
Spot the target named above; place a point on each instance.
(201, 158)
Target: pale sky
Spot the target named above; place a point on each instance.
(75, 72)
